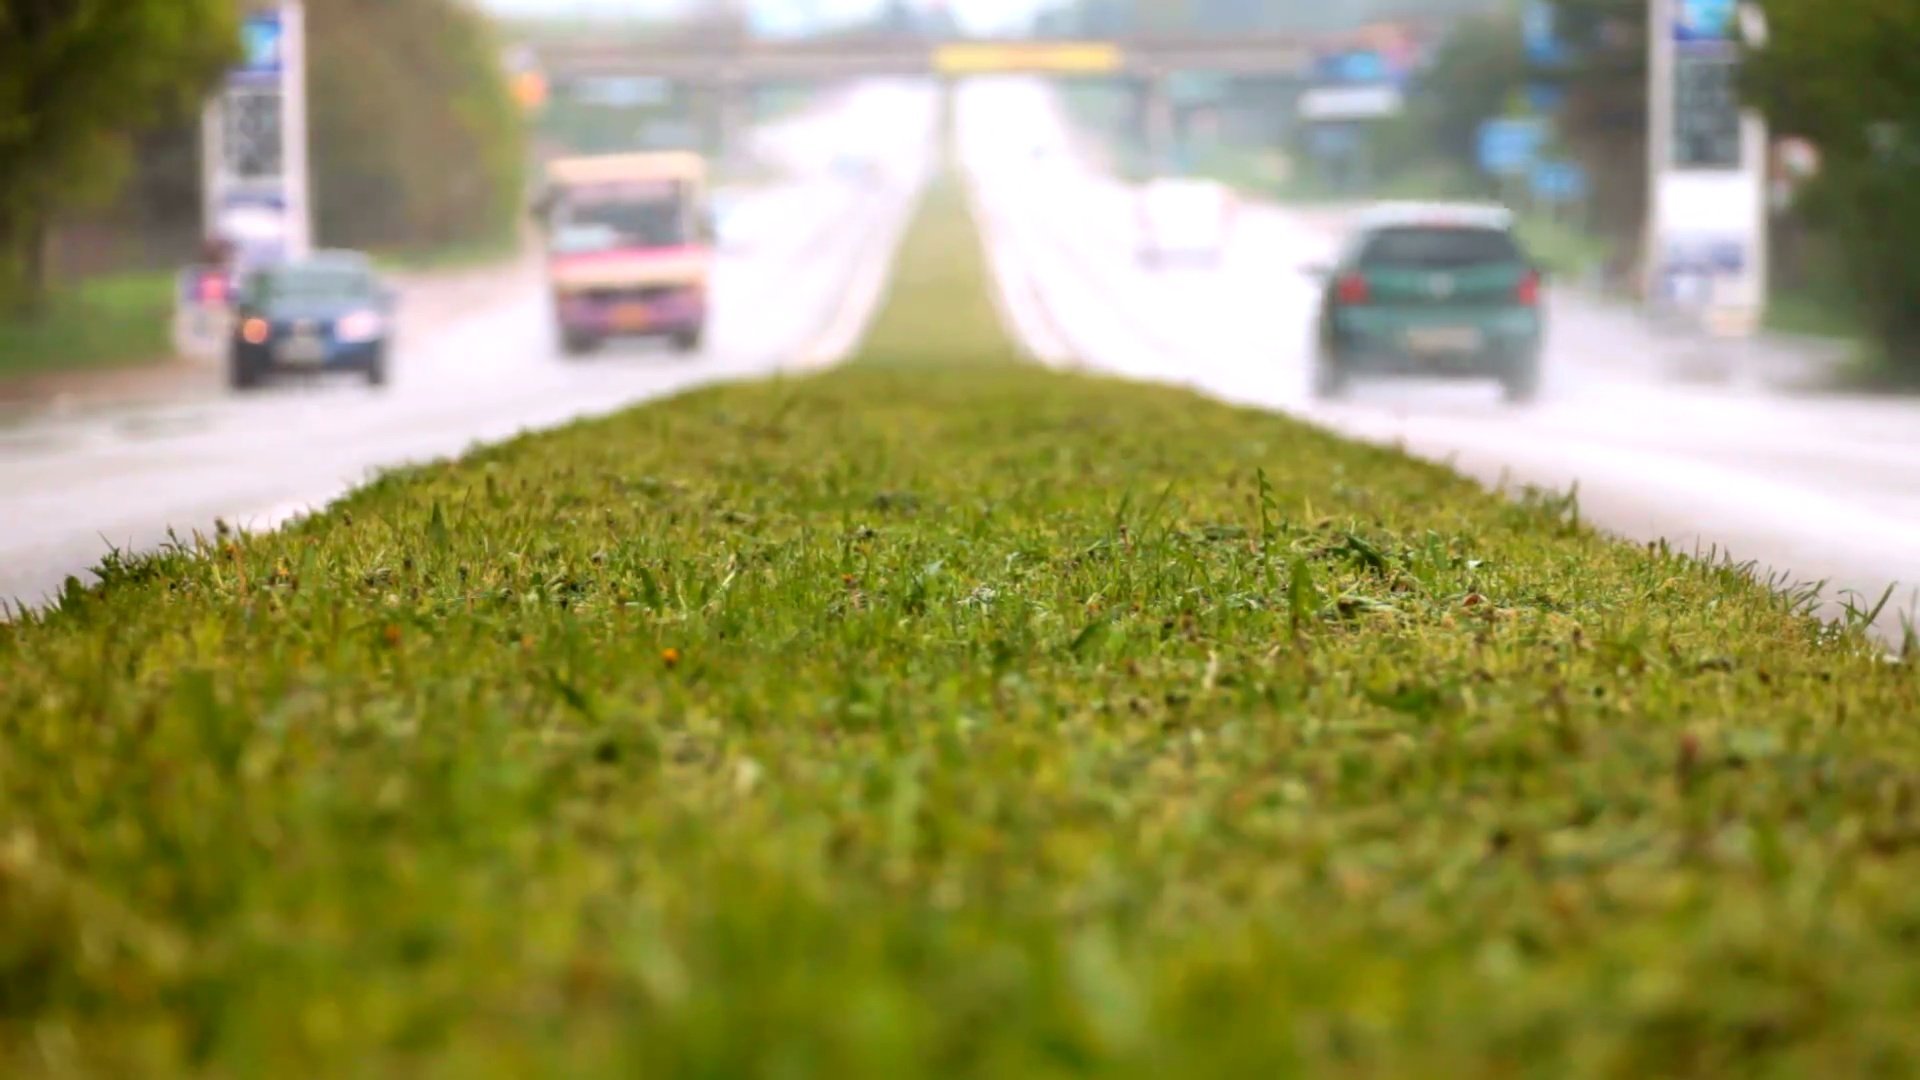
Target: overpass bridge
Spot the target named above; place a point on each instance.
(725, 61)
(739, 58)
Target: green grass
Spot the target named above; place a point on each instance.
(1811, 314)
(109, 321)
(946, 716)
(1562, 247)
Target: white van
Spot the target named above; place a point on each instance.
(1184, 219)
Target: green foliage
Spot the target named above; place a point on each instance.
(76, 79)
(112, 320)
(1844, 76)
(1477, 75)
(1482, 71)
(417, 141)
(949, 719)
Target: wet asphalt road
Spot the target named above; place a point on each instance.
(802, 267)
(1697, 442)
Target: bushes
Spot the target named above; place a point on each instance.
(1842, 75)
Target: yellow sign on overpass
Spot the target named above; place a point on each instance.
(1066, 57)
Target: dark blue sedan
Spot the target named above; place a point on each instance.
(329, 312)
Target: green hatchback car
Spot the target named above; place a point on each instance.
(1442, 290)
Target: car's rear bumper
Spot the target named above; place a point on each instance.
(1466, 365)
(677, 312)
(1382, 341)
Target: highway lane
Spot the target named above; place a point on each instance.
(790, 290)
(1701, 444)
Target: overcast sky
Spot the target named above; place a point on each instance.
(782, 16)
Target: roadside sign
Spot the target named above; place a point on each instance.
(1509, 147)
(1350, 103)
(1559, 182)
(1539, 28)
(1356, 66)
(262, 41)
(1545, 98)
(1704, 21)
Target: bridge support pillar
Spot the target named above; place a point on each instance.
(731, 120)
(1157, 132)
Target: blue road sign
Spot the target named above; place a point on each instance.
(1508, 147)
(1540, 30)
(262, 38)
(1559, 182)
(1359, 66)
(1704, 20)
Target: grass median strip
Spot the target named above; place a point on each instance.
(949, 718)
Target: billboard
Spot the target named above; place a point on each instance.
(1707, 257)
(255, 131)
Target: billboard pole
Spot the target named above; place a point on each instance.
(293, 127)
(1659, 139)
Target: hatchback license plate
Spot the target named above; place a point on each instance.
(1444, 339)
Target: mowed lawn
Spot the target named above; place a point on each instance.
(945, 716)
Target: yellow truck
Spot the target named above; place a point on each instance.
(629, 247)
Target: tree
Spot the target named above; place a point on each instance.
(417, 139)
(77, 79)
(1844, 77)
(1475, 76)
(1604, 120)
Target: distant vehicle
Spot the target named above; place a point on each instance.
(1439, 289)
(1184, 219)
(329, 312)
(630, 241)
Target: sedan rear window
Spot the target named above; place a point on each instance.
(1437, 246)
(309, 283)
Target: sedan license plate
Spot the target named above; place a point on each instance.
(302, 350)
(631, 317)
(1444, 339)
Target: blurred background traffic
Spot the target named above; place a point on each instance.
(249, 252)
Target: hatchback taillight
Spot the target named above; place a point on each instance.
(1527, 293)
(1351, 289)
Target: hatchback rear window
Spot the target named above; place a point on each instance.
(1439, 246)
